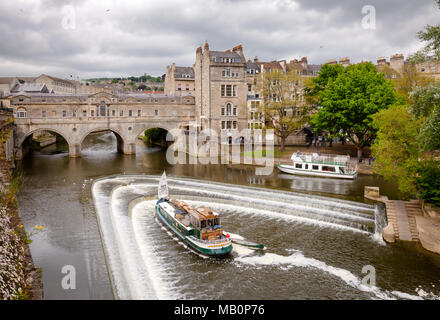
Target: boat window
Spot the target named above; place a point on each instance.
(307, 166)
(328, 168)
(315, 167)
(298, 165)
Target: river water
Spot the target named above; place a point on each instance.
(319, 233)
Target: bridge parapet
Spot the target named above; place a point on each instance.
(74, 117)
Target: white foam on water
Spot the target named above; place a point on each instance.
(273, 214)
(297, 259)
(102, 205)
(142, 217)
(138, 270)
(242, 251)
(135, 270)
(313, 219)
(406, 296)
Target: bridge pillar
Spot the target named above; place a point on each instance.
(74, 150)
(129, 148)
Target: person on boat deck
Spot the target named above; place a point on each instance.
(298, 153)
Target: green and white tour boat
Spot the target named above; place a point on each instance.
(198, 228)
(326, 165)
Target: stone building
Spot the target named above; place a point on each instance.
(57, 85)
(397, 63)
(179, 81)
(227, 97)
(221, 90)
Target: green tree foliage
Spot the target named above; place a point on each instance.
(426, 103)
(396, 148)
(425, 99)
(154, 136)
(428, 180)
(429, 137)
(349, 102)
(409, 79)
(430, 35)
(326, 74)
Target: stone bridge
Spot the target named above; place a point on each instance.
(74, 117)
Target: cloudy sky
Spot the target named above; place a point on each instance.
(91, 38)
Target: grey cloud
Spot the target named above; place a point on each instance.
(144, 36)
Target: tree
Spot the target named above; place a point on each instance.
(409, 79)
(428, 181)
(429, 137)
(327, 73)
(431, 35)
(396, 149)
(281, 107)
(349, 102)
(426, 105)
(425, 99)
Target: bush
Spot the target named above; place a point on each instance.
(428, 181)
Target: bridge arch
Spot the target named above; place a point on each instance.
(22, 149)
(141, 129)
(120, 138)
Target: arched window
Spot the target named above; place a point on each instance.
(21, 113)
(102, 110)
(229, 109)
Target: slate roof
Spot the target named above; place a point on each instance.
(30, 87)
(179, 71)
(226, 54)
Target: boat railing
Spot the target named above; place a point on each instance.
(330, 159)
(223, 239)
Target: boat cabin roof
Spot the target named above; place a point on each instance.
(199, 214)
(330, 159)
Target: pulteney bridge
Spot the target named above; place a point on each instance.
(74, 117)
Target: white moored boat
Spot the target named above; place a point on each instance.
(326, 165)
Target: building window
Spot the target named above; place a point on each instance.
(101, 110)
(139, 113)
(228, 90)
(234, 124)
(223, 111)
(156, 112)
(228, 109)
(113, 113)
(21, 113)
(187, 87)
(249, 87)
(84, 113)
(74, 113)
(121, 113)
(43, 113)
(226, 73)
(64, 113)
(228, 124)
(130, 113)
(92, 113)
(223, 124)
(235, 111)
(179, 87)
